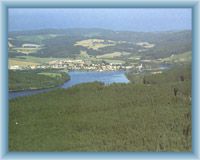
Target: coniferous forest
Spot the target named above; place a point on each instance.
(150, 114)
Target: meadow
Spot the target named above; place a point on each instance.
(95, 44)
(113, 55)
(26, 51)
(183, 57)
(18, 62)
(30, 60)
(119, 117)
(36, 79)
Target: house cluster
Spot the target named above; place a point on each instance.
(17, 67)
(77, 65)
(87, 65)
(82, 65)
(30, 46)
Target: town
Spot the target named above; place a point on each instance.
(87, 65)
(76, 64)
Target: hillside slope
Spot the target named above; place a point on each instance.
(94, 117)
(63, 43)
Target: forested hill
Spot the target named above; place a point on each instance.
(71, 42)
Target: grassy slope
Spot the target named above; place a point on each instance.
(13, 62)
(172, 75)
(62, 43)
(35, 79)
(26, 51)
(93, 117)
(183, 57)
(30, 59)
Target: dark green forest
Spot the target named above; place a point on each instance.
(143, 116)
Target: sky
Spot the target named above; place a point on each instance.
(142, 19)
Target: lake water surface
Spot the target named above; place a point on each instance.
(77, 78)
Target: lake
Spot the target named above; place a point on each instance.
(77, 77)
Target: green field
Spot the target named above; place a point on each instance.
(94, 117)
(18, 62)
(172, 75)
(113, 55)
(35, 79)
(32, 59)
(95, 44)
(183, 57)
(26, 51)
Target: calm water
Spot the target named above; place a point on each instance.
(77, 78)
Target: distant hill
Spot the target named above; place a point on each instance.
(95, 42)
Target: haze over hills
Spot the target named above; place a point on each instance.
(131, 19)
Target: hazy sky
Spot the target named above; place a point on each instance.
(115, 19)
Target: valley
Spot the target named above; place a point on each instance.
(96, 49)
(100, 90)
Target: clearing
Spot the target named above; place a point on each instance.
(113, 55)
(95, 44)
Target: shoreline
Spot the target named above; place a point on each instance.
(37, 89)
(71, 82)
